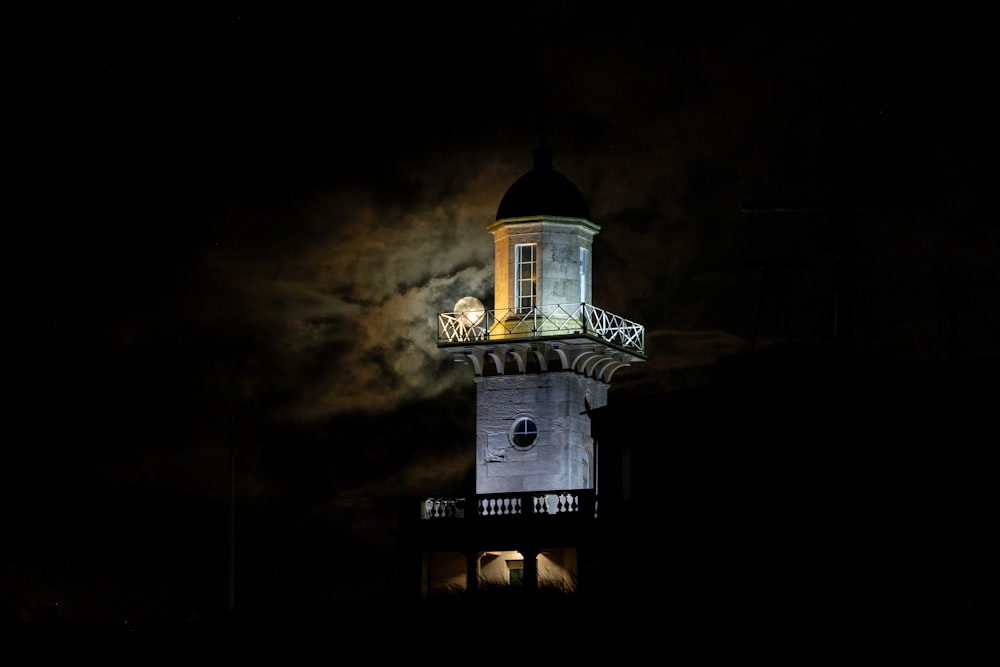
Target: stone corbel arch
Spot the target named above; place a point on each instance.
(600, 367)
(473, 357)
(606, 369)
(583, 360)
(559, 353)
(519, 353)
(539, 356)
(498, 357)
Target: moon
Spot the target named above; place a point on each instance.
(472, 310)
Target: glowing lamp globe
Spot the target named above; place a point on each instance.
(470, 310)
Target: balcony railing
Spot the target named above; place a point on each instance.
(543, 321)
(581, 502)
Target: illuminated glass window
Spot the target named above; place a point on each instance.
(524, 432)
(525, 277)
(583, 275)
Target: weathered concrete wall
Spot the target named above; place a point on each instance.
(561, 457)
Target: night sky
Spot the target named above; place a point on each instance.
(235, 231)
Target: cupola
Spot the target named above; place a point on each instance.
(543, 191)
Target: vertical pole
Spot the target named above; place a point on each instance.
(471, 572)
(231, 578)
(530, 568)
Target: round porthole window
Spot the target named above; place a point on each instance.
(524, 433)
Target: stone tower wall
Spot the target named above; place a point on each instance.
(562, 456)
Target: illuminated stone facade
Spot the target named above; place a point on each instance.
(561, 456)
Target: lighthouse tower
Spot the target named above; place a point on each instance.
(544, 355)
(542, 358)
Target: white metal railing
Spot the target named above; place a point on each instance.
(579, 318)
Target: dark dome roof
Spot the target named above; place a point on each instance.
(543, 191)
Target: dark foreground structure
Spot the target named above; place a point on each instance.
(817, 512)
(852, 505)
(795, 515)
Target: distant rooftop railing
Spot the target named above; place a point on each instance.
(543, 321)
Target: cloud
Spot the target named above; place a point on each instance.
(340, 298)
